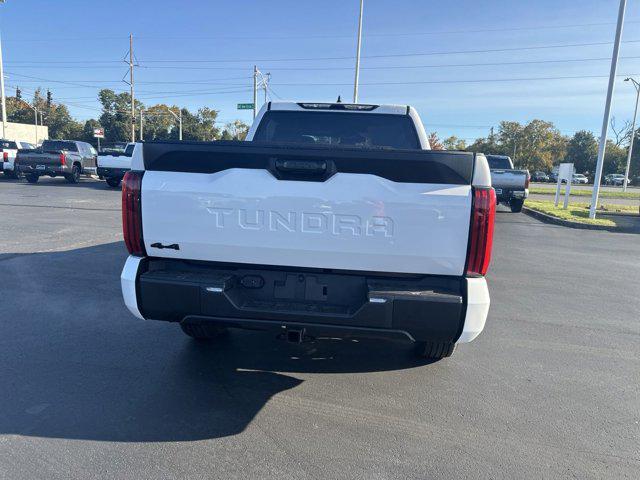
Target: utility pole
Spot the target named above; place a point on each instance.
(633, 131)
(4, 100)
(357, 79)
(255, 90)
(133, 101)
(607, 111)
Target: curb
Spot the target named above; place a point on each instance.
(543, 217)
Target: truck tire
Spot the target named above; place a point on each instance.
(201, 332)
(434, 350)
(74, 176)
(516, 205)
(31, 178)
(113, 182)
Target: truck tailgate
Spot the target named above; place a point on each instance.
(35, 159)
(510, 179)
(112, 161)
(228, 209)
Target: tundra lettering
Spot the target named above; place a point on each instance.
(305, 222)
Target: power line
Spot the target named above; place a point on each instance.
(326, 35)
(485, 80)
(394, 55)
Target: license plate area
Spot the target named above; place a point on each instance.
(41, 167)
(498, 191)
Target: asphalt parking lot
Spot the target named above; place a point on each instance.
(549, 390)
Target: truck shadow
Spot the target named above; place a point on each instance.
(75, 364)
(85, 182)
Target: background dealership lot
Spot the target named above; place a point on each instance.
(551, 386)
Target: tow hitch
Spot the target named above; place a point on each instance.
(296, 336)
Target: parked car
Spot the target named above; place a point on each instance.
(287, 236)
(579, 178)
(65, 158)
(553, 177)
(114, 165)
(615, 179)
(511, 186)
(9, 149)
(539, 177)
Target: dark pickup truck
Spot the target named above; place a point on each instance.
(58, 158)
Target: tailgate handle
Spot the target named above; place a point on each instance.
(173, 246)
(308, 167)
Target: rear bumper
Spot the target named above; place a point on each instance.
(443, 309)
(109, 172)
(48, 169)
(506, 194)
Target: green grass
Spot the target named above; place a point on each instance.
(578, 212)
(584, 192)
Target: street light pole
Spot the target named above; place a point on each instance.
(357, 79)
(255, 90)
(179, 118)
(141, 125)
(607, 111)
(633, 131)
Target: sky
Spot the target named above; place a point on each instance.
(465, 65)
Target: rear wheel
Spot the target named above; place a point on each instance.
(74, 176)
(434, 350)
(202, 333)
(31, 178)
(113, 182)
(516, 205)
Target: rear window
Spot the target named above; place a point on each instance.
(8, 144)
(57, 145)
(128, 152)
(367, 130)
(498, 163)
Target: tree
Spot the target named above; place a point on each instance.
(454, 143)
(622, 134)
(236, 130)
(615, 158)
(116, 114)
(582, 151)
(435, 142)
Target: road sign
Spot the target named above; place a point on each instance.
(98, 132)
(245, 106)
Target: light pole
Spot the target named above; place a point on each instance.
(141, 124)
(607, 111)
(357, 79)
(35, 116)
(4, 100)
(633, 131)
(179, 118)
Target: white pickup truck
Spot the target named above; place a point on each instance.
(333, 219)
(113, 166)
(9, 150)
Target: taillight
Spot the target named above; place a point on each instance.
(63, 159)
(483, 215)
(527, 180)
(5, 156)
(132, 213)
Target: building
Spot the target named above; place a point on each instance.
(26, 132)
